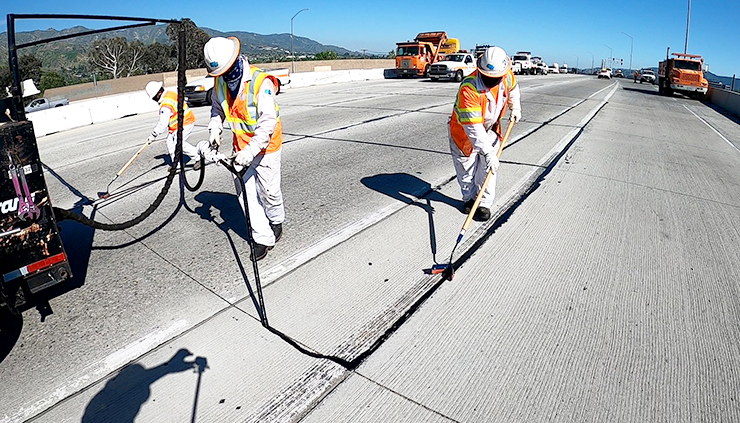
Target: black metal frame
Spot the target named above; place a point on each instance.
(17, 111)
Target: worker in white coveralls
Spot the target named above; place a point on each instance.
(244, 96)
(474, 127)
(168, 122)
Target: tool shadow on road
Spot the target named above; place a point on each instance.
(121, 398)
(411, 190)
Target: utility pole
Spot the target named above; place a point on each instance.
(631, 44)
(611, 56)
(688, 20)
(292, 55)
(592, 60)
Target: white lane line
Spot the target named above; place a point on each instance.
(293, 262)
(607, 87)
(99, 370)
(712, 128)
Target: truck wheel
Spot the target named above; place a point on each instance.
(458, 76)
(208, 96)
(279, 87)
(426, 71)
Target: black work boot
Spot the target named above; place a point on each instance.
(482, 214)
(277, 230)
(468, 206)
(260, 251)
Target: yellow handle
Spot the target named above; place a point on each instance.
(131, 160)
(485, 182)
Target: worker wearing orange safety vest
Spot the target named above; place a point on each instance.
(474, 127)
(168, 121)
(244, 96)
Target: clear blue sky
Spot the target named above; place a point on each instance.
(558, 31)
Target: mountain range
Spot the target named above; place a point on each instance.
(70, 52)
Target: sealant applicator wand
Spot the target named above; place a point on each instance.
(447, 268)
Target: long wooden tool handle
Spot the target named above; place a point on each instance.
(485, 183)
(131, 160)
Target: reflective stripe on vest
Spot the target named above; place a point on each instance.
(471, 105)
(242, 112)
(169, 100)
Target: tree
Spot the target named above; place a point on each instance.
(29, 67)
(117, 56)
(326, 55)
(195, 39)
(158, 58)
(51, 80)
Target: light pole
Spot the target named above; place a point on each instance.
(292, 57)
(688, 19)
(611, 55)
(632, 41)
(592, 60)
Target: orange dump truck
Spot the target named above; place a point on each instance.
(416, 57)
(683, 74)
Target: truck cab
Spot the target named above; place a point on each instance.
(454, 67)
(683, 74)
(414, 58)
(521, 63)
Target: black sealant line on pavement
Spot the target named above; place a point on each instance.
(503, 218)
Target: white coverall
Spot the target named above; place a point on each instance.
(471, 171)
(262, 179)
(162, 126)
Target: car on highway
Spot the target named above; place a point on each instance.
(647, 76)
(454, 67)
(45, 103)
(199, 92)
(605, 73)
(618, 74)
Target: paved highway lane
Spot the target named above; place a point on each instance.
(355, 154)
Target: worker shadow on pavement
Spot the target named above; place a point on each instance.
(121, 398)
(224, 211)
(411, 190)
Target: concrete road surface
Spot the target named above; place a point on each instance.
(601, 290)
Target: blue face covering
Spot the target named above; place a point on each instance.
(234, 76)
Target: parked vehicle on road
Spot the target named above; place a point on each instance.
(554, 68)
(45, 103)
(539, 66)
(647, 75)
(605, 73)
(415, 58)
(454, 67)
(683, 74)
(199, 92)
(618, 73)
(521, 63)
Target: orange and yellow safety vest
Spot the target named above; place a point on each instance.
(471, 105)
(242, 112)
(169, 100)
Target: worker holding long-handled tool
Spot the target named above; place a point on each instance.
(168, 122)
(244, 96)
(475, 130)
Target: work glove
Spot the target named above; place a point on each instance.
(210, 154)
(215, 137)
(516, 115)
(244, 157)
(152, 137)
(492, 162)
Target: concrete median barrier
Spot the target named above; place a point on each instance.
(726, 99)
(102, 109)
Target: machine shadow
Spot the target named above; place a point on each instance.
(11, 326)
(407, 188)
(121, 398)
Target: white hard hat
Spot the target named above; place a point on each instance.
(494, 62)
(220, 53)
(152, 88)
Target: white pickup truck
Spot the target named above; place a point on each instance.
(455, 66)
(199, 92)
(45, 103)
